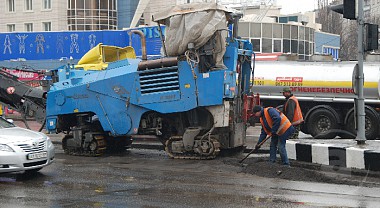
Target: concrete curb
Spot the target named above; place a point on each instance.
(334, 155)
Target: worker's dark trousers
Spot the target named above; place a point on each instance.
(296, 132)
(280, 142)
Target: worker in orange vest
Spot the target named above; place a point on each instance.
(275, 124)
(292, 111)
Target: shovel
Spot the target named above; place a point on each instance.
(256, 148)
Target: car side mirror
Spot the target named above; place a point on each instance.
(10, 120)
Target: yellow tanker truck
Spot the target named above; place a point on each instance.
(325, 93)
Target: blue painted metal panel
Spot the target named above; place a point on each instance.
(246, 68)
(186, 93)
(225, 79)
(334, 52)
(211, 85)
(326, 40)
(51, 123)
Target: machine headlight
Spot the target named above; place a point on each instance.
(6, 148)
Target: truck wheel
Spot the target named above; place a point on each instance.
(322, 124)
(349, 128)
(371, 124)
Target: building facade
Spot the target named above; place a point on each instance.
(371, 9)
(92, 15)
(149, 7)
(58, 15)
(125, 12)
(33, 15)
(279, 38)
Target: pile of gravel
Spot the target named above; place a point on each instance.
(299, 171)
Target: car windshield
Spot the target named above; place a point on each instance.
(5, 124)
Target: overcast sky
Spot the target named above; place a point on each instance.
(294, 6)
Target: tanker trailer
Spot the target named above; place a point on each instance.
(189, 101)
(325, 93)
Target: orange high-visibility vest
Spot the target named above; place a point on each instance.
(297, 118)
(284, 125)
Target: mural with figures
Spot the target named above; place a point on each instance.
(58, 45)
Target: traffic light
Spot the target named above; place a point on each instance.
(349, 9)
(372, 37)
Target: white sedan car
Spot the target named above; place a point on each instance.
(23, 149)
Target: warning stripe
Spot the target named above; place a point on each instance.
(314, 84)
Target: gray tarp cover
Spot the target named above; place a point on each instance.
(194, 23)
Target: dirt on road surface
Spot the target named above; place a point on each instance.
(300, 171)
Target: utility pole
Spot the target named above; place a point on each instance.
(360, 109)
(353, 10)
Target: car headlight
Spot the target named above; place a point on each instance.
(6, 148)
(49, 143)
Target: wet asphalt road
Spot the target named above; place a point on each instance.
(148, 178)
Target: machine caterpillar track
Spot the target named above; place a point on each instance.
(203, 149)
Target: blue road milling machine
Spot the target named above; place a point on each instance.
(195, 99)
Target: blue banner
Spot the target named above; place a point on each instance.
(57, 45)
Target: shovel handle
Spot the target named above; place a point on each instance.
(262, 142)
(258, 146)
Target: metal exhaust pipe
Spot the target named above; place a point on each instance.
(143, 43)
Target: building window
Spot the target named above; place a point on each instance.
(256, 43)
(307, 34)
(47, 4)
(277, 45)
(294, 32)
(244, 29)
(11, 28)
(29, 27)
(46, 26)
(307, 49)
(267, 46)
(294, 46)
(11, 5)
(286, 46)
(267, 30)
(92, 15)
(293, 18)
(286, 32)
(301, 34)
(255, 30)
(301, 45)
(277, 30)
(283, 19)
(28, 5)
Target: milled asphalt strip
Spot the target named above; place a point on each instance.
(159, 146)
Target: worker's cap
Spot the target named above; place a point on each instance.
(256, 108)
(286, 89)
